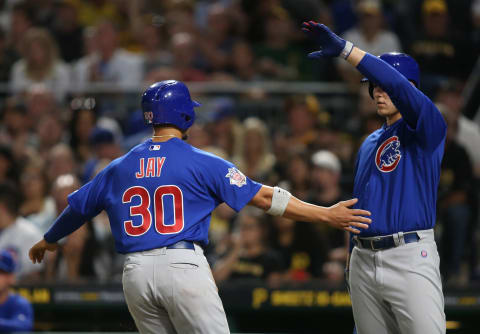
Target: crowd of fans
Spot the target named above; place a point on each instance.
(54, 136)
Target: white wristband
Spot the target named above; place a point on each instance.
(346, 50)
(280, 200)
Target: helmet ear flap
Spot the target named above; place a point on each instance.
(370, 89)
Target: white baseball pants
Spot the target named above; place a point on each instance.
(172, 291)
(398, 290)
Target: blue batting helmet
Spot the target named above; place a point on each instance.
(7, 261)
(404, 64)
(168, 102)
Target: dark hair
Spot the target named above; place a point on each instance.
(77, 106)
(26, 9)
(13, 168)
(10, 197)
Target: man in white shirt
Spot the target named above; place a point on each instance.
(108, 63)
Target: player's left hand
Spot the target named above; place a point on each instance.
(37, 252)
(331, 45)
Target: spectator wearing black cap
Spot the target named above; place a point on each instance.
(437, 46)
(16, 233)
(16, 313)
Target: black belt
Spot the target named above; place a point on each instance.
(386, 242)
(184, 244)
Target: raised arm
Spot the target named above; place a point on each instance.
(417, 109)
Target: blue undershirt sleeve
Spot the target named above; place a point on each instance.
(65, 224)
(417, 109)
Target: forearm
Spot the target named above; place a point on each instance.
(406, 98)
(65, 224)
(301, 211)
(355, 56)
(295, 209)
(279, 202)
(416, 109)
(378, 71)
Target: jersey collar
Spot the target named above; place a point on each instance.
(386, 127)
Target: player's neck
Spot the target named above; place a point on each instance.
(164, 134)
(392, 119)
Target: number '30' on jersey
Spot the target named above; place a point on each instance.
(162, 192)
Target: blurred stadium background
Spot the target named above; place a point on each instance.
(71, 76)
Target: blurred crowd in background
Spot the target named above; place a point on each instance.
(56, 132)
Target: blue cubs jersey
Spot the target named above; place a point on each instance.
(162, 192)
(16, 315)
(398, 166)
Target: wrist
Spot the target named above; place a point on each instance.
(325, 215)
(48, 238)
(347, 49)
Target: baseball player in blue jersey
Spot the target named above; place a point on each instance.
(16, 313)
(159, 198)
(394, 276)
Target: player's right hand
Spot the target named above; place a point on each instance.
(343, 217)
(37, 252)
(331, 45)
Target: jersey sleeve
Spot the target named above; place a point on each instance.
(229, 184)
(21, 319)
(417, 109)
(89, 200)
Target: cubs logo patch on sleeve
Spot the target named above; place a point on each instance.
(236, 177)
(388, 155)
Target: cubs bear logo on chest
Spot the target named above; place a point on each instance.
(388, 155)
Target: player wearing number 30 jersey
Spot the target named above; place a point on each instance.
(159, 198)
(156, 203)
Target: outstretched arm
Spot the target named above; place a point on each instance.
(85, 203)
(339, 216)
